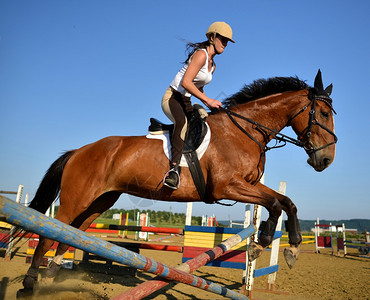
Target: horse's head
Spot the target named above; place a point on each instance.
(314, 125)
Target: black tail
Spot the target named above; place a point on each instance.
(46, 194)
(50, 185)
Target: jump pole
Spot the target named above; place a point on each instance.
(34, 221)
(137, 228)
(149, 287)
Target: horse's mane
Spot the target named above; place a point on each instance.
(264, 87)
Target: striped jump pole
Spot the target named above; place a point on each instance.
(147, 288)
(34, 221)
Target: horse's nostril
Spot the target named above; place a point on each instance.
(327, 161)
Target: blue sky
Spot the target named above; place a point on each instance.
(72, 72)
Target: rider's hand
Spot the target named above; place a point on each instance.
(213, 103)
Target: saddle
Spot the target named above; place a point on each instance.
(197, 129)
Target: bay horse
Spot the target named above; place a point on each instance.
(89, 180)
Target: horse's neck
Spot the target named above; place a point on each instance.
(273, 111)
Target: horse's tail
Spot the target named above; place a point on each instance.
(50, 185)
(46, 194)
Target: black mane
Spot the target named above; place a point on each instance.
(264, 87)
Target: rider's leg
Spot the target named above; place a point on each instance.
(174, 108)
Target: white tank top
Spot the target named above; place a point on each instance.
(203, 77)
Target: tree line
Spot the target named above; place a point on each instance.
(157, 217)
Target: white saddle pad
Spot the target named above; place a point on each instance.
(165, 137)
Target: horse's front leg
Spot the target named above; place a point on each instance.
(292, 225)
(295, 239)
(294, 232)
(240, 190)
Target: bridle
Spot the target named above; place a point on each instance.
(305, 135)
(303, 138)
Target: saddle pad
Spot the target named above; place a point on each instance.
(167, 145)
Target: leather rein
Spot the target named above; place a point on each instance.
(303, 138)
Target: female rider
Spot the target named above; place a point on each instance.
(189, 81)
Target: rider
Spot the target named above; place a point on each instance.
(189, 81)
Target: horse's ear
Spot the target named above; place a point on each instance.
(329, 89)
(318, 82)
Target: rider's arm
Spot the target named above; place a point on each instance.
(196, 63)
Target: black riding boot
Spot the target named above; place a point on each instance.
(172, 177)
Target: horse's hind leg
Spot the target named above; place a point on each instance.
(82, 222)
(44, 245)
(55, 265)
(31, 277)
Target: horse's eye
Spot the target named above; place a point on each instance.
(324, 114)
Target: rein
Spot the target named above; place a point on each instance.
(282, 138)
(279, 137)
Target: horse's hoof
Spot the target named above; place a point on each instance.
(254, 251)
(291, 256)
(23, 293)
(52, 270)
(29, 282)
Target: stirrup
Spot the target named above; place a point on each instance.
(172, 170)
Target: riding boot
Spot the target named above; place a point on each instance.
(172, 177)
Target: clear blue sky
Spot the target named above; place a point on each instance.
(72, 72)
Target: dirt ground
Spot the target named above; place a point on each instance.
(315, 276)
